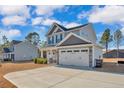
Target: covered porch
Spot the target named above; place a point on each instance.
(51, 53)
(8, 57)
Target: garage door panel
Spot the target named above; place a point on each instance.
(76, 57)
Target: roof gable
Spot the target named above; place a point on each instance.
(62, 28)
(73, 39)
(54, 27)
(14, 42)
(77, 27)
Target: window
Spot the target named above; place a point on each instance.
(61, 37)
(48, 40)
(52, 39)
(63, 51)
(84, 50)
(56, 38)
(76, 50)
(69, 51)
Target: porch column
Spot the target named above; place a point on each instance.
(41, 54)
(49, 56)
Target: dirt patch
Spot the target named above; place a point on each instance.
(111, 67)
(12, 67)
(113, 60)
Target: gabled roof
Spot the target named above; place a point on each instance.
(113, 53)
(73, 39)
(14, 42)
(77, 27)
(72, 28)
(53, 27)
(64, 28)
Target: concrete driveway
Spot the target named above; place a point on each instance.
(52, 76)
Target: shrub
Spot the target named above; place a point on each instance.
(40, 60)
(35, 60)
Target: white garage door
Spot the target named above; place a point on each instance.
(76, 57)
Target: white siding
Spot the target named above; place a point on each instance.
(97, 54)
(25, 51)
(74, 58)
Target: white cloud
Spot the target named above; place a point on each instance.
(47, 9)
(13, 33)
(14, 20)
(15, 10)
(48, 21)
(107, 14)
(83, 14)
(10, 33)
(37, 21)
(122, 30)
(72, 24)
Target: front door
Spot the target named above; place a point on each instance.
(12, 57)
(44, 54)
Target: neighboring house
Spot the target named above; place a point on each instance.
(20, 51)
(111, 56)
(72, 46)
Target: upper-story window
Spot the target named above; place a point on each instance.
(61, 36)
(56, 38)
(49, 40)
(52, 39)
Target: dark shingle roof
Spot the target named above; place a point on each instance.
(113, 54)
(6, 50)
(62, 27)
(67, 29)
(14, 42)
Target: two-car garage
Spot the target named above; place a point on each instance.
(74, 56)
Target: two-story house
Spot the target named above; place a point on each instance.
(72, 46)
(20, 51)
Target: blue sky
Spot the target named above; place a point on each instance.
(17, 21)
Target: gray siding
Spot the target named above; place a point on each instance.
(73, 41)
(25, 51)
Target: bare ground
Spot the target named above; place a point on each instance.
(111, 67)
(12, 67)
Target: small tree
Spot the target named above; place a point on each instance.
(5, 41)
(33, 37)
(43, 44)
(117, 38)
(106, 38)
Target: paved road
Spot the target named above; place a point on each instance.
(52, 76)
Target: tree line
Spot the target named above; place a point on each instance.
(33, 38)
(107, 37)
